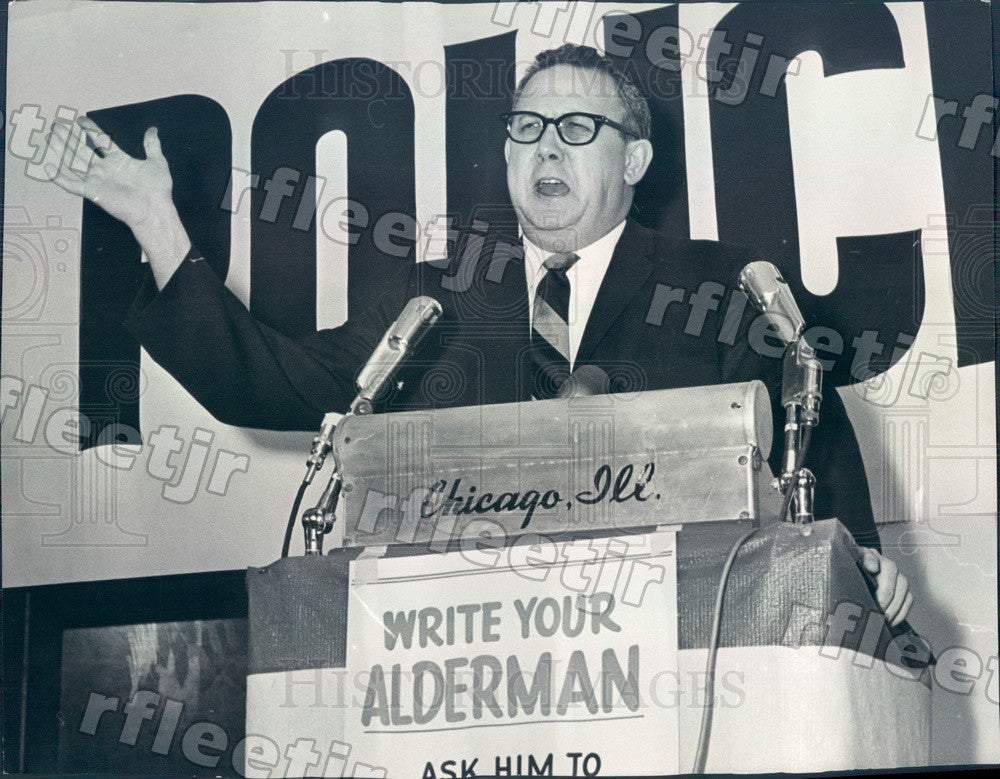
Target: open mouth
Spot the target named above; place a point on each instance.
(551, 187)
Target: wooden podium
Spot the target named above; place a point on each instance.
(809, 678)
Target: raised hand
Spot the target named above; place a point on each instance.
(126, 187)
(138, 192)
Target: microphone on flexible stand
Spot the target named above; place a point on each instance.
(397, 345)
(770, 294)
(801, 383)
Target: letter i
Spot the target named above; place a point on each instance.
(336, 762)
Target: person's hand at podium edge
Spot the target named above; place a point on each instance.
(893, 589)
(138, 192)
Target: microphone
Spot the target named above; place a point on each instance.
(398, 344)
(801, 383)
(770, 294)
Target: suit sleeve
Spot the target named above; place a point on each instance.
(244, 372)
(834, 456)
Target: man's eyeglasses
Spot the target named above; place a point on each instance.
(575, 129)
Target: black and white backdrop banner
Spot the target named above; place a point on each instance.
(314, 146)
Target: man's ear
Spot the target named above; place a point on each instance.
(506, 151)
(638, 155)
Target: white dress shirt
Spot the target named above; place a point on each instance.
(585, 277)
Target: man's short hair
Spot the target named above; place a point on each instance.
(637, 118)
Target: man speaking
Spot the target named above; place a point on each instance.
(583, 286)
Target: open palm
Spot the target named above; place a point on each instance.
(127, 188)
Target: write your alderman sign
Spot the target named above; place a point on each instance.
(492, 671)
(457, 666)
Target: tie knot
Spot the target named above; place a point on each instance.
(561, 262)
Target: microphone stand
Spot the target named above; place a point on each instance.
(318, 521)
(399, 341)
(801, 382)
(801, 393)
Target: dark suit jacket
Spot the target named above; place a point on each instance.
(248, 374)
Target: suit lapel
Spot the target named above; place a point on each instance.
(633, 261)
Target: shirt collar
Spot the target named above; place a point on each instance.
(596, 254)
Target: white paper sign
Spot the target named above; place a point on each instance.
(538, 659)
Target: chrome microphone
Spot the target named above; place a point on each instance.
(398, 344)
(770, 294)
(802, 384)
(802, 379)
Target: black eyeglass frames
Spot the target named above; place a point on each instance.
(575, 129)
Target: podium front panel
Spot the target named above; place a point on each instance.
(807, 659)
(604, 462)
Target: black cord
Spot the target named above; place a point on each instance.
(804, 446)
(704, 736)
(783, 514)
(701, 754)
(291, 518)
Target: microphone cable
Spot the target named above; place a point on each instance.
(704, 735)
(291, 518)
(701, 753)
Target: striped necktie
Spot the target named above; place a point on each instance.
(550, 328)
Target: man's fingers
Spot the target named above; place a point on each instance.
(100, 140)
(886, 583)
(55, 150)
(66, 145)
(66, 179)
(82, 158)
(58, 140)
(901, 591)
(872, 560)
(60, 130)
(151, 143)
(903, 610)
(69, 180)
(74, 170)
